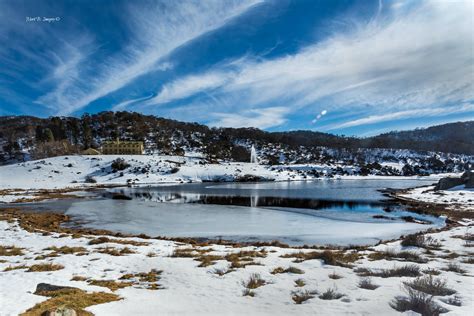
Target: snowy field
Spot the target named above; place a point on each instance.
(186, 289)
(455, 198)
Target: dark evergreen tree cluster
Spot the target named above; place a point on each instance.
(71, 134)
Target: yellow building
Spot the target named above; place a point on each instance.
(122, 148)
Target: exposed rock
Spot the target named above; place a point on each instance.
(251, 178)
(60, 311)
(448, 183)
(467, 179)
(46, 289)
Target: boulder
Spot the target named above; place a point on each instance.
(448, 183)
(468, 178)
(46, 289)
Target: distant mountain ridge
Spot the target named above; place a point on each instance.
(25, 136)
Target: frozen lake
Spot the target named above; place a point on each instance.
(317, 212)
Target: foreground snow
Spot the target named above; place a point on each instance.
(191, 290)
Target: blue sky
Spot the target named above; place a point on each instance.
(345, 67)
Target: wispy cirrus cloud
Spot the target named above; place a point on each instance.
(156, 30)
(402, 60)
(188, 86)
(407, 114)
(260, 118)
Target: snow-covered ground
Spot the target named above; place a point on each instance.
(458, 197)
(187, 289)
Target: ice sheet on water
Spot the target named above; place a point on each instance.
(233, 222)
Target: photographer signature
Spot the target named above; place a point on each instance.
(42, 19)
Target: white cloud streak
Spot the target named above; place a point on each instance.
(401, 61)
(157, 30)
(260, 118)
(372, 119)
(188, 86)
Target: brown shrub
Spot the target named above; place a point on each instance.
(43, 267)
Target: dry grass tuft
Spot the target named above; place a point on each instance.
(409, 270)
(334, 258)
(248, 292)
(334, 276)
(10, 268)
(431, 271)
(11, 251)
(467, 237)
(110, 284)
(418, 302)
(454, 267)
(189, 252)
(103, 240)
(65, 250)
(75, 299)
(420, 240)
(78, 278)
(291, 269)
(430, 285)
(366, 283)
(331, 294)
(208, 260)
(221, 272)
(147, 280)
(255, 281)
(44, 267)
(300, 283)
(300, 297)
(115, 251)
(402, 256)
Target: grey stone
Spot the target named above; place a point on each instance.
(448, 183)
(45, 287)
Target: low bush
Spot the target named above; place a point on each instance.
(119, 164)
(432, 271)
(409, 270)
(330, 294)
(455, 301)
(418, 302)
(419, 240)
(430, 285)
(90, 179)
(334, 276)
(255, 281)
(366, 283)
(402, 255)
(300, 283)
(455, 267)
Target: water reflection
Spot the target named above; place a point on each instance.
(244, 200)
